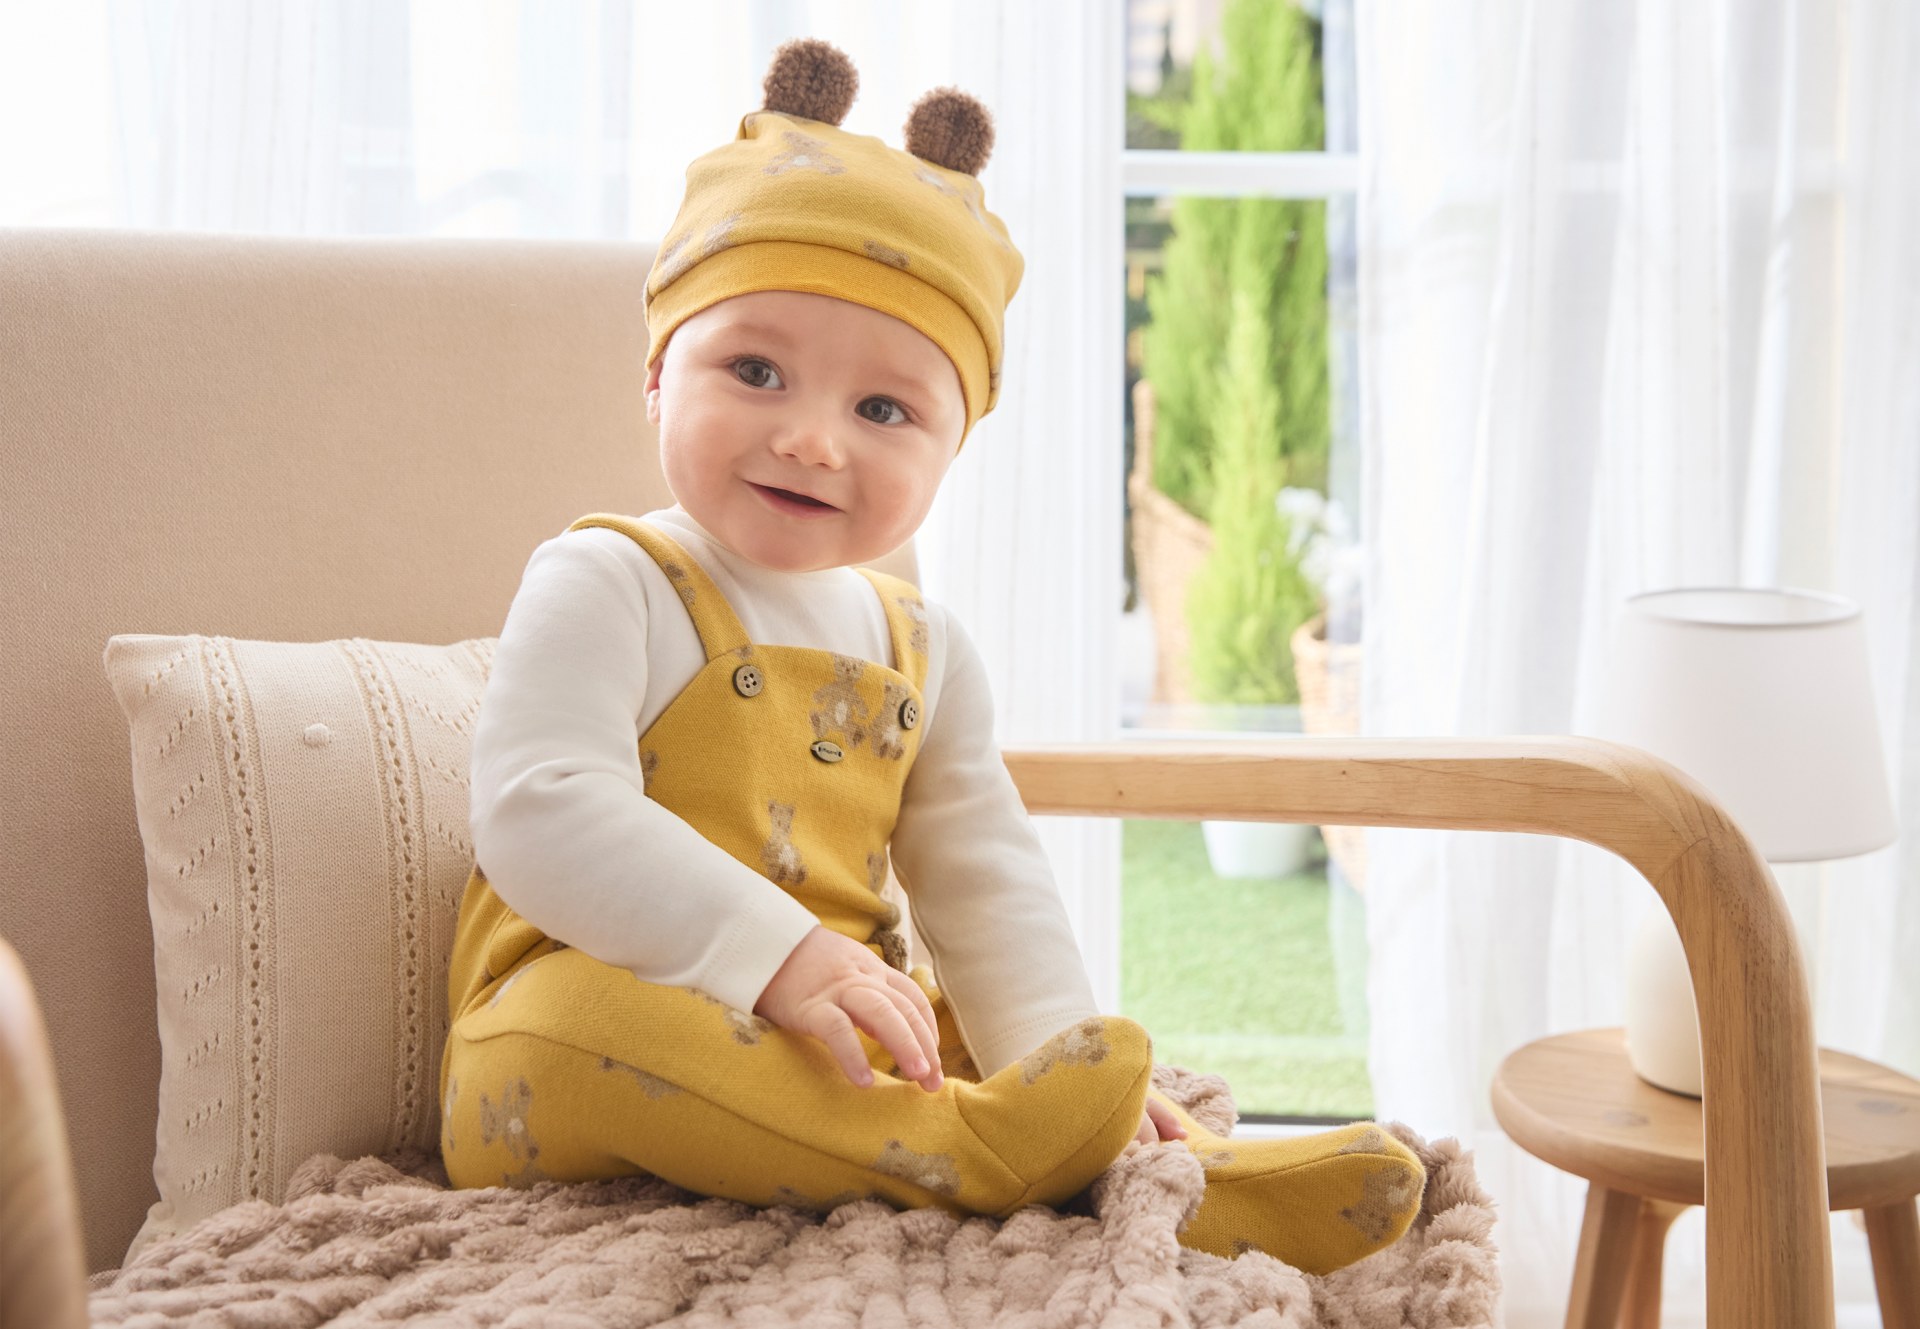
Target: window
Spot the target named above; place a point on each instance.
(1243, 944)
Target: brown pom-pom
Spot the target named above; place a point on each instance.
(811, 79)
(949, 128)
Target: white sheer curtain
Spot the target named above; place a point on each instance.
(1024, 543)
(573, 118)
(577, 119)
(1640, 308)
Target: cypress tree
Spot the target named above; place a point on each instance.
(1250, 594)
(1263, 96)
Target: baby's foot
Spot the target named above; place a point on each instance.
(1316, 1202)
(1057, 1117)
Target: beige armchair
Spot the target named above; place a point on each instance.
(298, 440)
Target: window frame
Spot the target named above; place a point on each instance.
(1163, 173)
(1172, 173)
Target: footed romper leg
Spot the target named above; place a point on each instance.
(1316, 1202)
(573, 1069)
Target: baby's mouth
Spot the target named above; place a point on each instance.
(792, 497)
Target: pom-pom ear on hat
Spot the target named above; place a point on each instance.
(815, 80)
(950, 128)
(811, 79)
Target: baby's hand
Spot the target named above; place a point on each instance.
(831, 984)
(1158, 1123)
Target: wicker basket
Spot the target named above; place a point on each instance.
(1329, 676)
(1169, 546)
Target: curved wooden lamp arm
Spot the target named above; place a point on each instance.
(42, 1269)
(1768, 1258)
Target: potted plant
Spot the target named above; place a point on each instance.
(1228, 260)
(1251, 593)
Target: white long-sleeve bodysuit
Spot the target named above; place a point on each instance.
(595, 646)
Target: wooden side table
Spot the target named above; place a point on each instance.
(1575, 1102)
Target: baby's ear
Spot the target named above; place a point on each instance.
(653, 391)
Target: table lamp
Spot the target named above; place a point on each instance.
(1764, 697)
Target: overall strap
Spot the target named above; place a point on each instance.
(906, 621)
(713, 618)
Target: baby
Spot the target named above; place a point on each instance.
(710, 732)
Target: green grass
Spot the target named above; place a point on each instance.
(1261, 982)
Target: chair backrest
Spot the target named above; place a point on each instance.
(284, 439)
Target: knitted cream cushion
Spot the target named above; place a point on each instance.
(303, 808)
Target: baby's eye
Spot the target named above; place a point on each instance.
(876, 409)
(756, 373)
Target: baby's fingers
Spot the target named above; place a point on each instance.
(926, 1026)
(1164, 1122)
(830, 1025)
(889, 1018)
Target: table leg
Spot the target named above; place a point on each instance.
(1606, 1254)
(1640, 1308)
(1893, 1239)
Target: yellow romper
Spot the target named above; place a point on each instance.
(793, 760)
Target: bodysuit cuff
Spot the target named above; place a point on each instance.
(757, 942)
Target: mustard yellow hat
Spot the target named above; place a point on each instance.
(796, 203)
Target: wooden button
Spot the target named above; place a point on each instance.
(747, 681)
(909, 713)
(827, 751)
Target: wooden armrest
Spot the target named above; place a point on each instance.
(1768, 1257)
(42, 1269)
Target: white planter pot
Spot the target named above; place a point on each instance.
(1257, 848)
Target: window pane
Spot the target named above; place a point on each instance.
(1242, 548)
(1260, 981)
(1243, 946)
(1240, 75)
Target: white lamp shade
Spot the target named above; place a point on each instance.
(1765, 697)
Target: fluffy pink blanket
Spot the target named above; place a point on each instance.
(378, 1242)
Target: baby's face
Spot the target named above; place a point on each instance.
(804, 432)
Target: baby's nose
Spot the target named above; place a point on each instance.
(813, 445)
